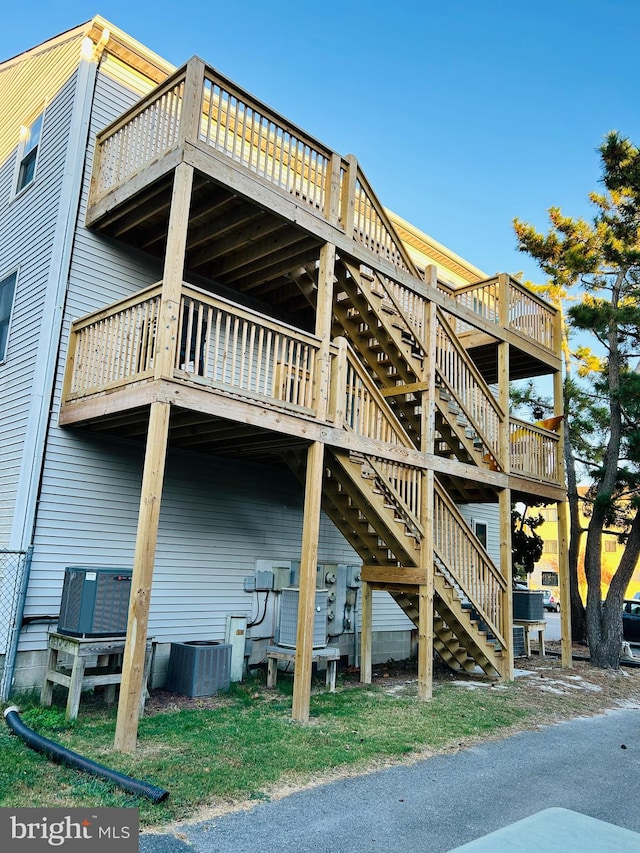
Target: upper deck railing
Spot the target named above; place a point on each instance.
(504, 301)
(199, 105)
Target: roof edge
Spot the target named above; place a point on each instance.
(119, 43)
(436, 247)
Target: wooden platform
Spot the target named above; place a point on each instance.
(330, 654)
(107, 672)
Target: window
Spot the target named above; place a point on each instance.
(549, 514)
(28, 153)
(550, 546)
(610, 546)
(550, 579)
(480, 529)
(7, 290)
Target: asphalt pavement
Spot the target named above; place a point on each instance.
(589, 765)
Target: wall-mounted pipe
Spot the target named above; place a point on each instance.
(61, 755)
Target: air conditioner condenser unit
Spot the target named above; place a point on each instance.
(95, 602)
(289, 601)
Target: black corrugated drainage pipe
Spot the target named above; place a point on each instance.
(72, 759)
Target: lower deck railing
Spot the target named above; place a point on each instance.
(224, 346)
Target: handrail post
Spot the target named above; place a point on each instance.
(71, 363)
(324, 305)
(347, 213)
(96, 168)
(503, 300)
(332, 190)
(191, 112)
(337, 398)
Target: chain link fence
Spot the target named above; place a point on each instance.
(14, 567)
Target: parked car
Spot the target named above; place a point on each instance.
(631, 620)
(551, 600)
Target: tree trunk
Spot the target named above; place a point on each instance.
(606, 652)
(578, 613)
(604, 621)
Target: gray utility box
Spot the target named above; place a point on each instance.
(95, 602)
(289, 618)
(199, 667)
(527, 605)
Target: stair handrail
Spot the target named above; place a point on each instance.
(395, 427)
(485, 559)
(400, 504)
(396, 251)
(492, 404)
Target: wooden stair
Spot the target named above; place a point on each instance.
(362, 500)
(384, 534)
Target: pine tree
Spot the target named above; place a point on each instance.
(598, 263)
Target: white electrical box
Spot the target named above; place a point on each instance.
(236, 636)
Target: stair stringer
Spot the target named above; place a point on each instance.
(458, 639)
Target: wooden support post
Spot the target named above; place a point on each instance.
(308, 571)
(133, 663)
(506, 626)
(563, 574)
(504, 438)
(365, 636)
(425, 592)
(425, 648)
(504, 498)
(563, 532)
(427, 440)
(324, 315)
(168, 332)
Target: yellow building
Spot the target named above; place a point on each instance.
(545, 573)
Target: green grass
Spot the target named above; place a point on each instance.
(243, 748)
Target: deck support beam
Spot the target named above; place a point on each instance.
(566, 648)
(504, 496)
(366, 615)
(427, 429)
(308, 571)
(131, 686)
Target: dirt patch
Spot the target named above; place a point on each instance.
(596, 689)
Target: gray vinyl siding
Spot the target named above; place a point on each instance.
(217, 518)
(489, 514)
(27, 229)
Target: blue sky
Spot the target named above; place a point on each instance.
(462, 114)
